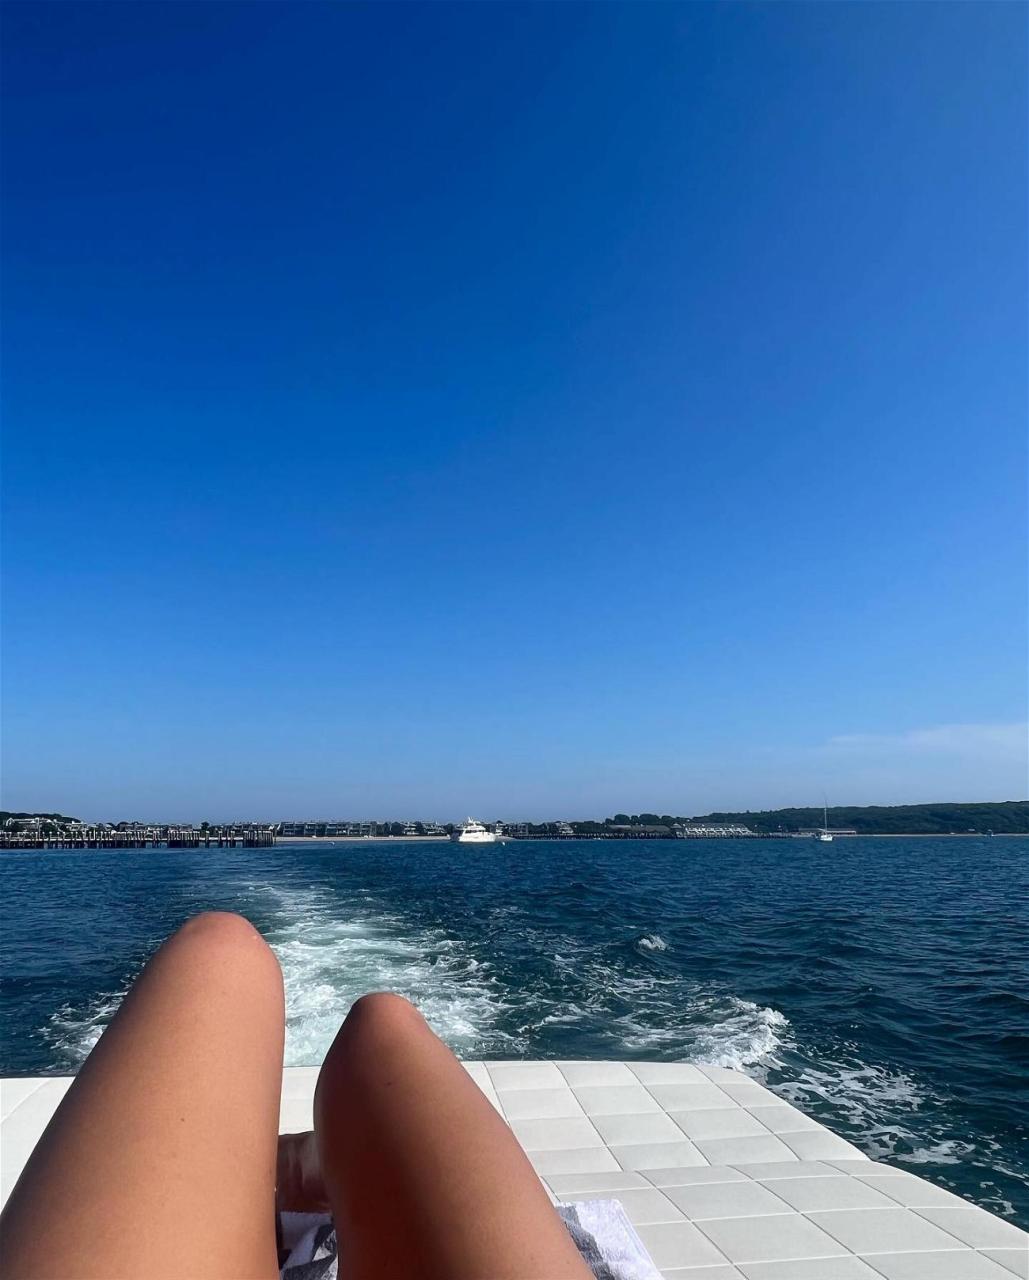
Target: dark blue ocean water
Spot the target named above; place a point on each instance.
(882, 985)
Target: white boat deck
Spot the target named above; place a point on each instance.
(723, 1180)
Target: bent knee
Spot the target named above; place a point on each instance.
(220, 936)
(222, 927)
(382, 1013)
(378, 1027)
(383, 1006)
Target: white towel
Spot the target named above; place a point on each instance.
(602, 1233)
(607, 1240)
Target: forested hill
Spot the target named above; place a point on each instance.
(5, 814)
(1008, 816)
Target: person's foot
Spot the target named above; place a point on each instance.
(298, 1175)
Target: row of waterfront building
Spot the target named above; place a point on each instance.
(349, 830)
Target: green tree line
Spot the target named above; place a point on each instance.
(1004, 817)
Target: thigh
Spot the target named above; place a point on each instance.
(159, 1163)
(424, 1177)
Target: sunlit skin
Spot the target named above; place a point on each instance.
(165, 1160)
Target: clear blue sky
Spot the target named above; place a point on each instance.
(523, 410)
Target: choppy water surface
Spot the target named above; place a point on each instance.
(882, 985)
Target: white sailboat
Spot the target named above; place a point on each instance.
(825, 835)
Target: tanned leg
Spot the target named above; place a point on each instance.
(424, 1177)
(159, 1163)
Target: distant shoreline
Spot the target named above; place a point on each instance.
(861, 835)
(912, 835)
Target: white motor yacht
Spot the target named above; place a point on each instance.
(472, 832)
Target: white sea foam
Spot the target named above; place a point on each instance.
(886, 1112)
(72, 1032)
(711, 1029)
(643, 1012)
(860, 1093)
(948, 1151)
(750, 1035)
(328, 963)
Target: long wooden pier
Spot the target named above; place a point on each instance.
(100, 837)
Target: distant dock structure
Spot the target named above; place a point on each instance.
(37, 834)
(676, 831)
